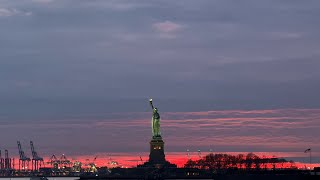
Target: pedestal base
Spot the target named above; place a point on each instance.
(157, 157)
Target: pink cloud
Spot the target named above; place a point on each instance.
(167, 29)
(167, 26)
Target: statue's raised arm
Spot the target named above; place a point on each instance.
(150, 100)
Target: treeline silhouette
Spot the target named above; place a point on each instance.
(240, 161)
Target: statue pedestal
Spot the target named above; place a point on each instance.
(157, 157)
(157, 151)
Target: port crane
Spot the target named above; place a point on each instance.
(188, 154)
(7, 165)
(8, 162)
(112, 163)
(136, 160)
(24, 160)
(199, 154)
(37, 161)
(1, 162)
(54, 162)
(92, 165)
(64, 161)
(77, 166)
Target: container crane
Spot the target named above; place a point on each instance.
(77, 166)
(188, 154)
(7, 161)
(1, 162)
(8, 165)
(136, 160)
(113, 163)
(141, 159)
(54, 162)
(64, 161)
(199, 154)
(24, 160)
(37, 161)
(93, 166)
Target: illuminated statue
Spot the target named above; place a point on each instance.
(155, 123)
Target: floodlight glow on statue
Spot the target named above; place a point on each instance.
(155, 123)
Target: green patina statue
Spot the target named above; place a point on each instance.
(155, 123)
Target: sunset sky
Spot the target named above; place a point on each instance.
(226, 75)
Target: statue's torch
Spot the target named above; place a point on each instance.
(150, 100)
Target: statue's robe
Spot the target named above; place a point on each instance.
(156, 124)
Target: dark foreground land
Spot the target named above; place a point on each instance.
(158, 174)
(182, 173)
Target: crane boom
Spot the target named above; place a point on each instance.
(95, 158)
(6, 154)
(53, 158)
(35, 155)
(21, 152)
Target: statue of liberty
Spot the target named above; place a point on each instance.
(155, 123)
